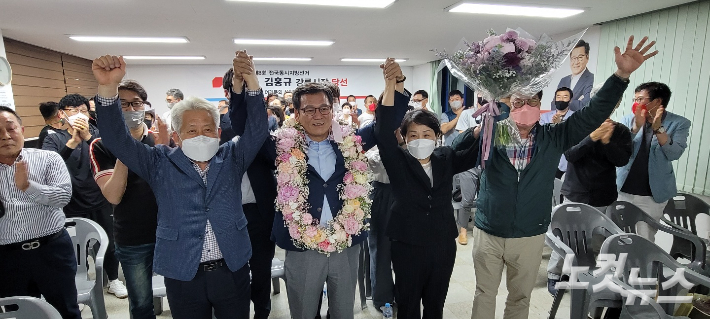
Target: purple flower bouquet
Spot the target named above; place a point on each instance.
(501, 65)
(510, 62)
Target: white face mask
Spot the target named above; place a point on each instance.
(200, 148)
(346, 112)
(170, 105)
(456, 105)
(353, 103)
(415, 105)
(421, 148)
(72, 119)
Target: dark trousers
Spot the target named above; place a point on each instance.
(137, 262)
(220, 289)
(104, 217)
(380, 247)
(47, 271)
(262, 252)
(422, 274)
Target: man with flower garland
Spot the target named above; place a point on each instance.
(322, 201)
(513, 208)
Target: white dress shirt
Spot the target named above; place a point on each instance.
(37, 211)
(374, 162)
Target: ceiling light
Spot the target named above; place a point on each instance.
(162, 57)
(339, 3)
(370, 60)
(283, 59)
(514, 10)
(282, 42)
(128, 39)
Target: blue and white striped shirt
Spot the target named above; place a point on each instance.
(36, 212)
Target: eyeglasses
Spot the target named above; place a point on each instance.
(76, 109)
(578, 58)
(518, 103)
(640, 99)
(324, 110)
(135, 105)
(415, 100)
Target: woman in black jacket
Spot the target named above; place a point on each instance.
(422, 227)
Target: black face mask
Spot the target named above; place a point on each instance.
(481, 101)
(561, 105)
(148, 123)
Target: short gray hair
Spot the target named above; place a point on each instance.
(176, 93)
(192, 103)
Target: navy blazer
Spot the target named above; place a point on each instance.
(184, 201)
(318, 188)
(582, 89)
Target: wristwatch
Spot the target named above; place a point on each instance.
(404, 78)
(660, 130)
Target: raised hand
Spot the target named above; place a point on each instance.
(633, 57)
(391, 70)
(109, 70)
(239, 66)
(639, 119)
(658, 119)
(22, 181)
(161, 134)
(243, 65)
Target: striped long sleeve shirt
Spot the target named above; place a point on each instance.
(36, 212)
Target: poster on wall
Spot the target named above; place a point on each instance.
(577, 73)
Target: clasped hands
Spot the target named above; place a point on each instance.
(391, 71)
(244, 71)
(604, 132)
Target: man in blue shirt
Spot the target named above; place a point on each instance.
(307, 270)
(202, 245)
(659, 138)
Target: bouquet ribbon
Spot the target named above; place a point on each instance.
(489, 111)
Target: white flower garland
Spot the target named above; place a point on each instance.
(292, 188)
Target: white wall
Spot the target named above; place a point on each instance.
(6, 97)
(196, 80)
(422, 78)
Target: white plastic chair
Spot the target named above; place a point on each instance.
(84, 234)
(557, 192)
(29, 308)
